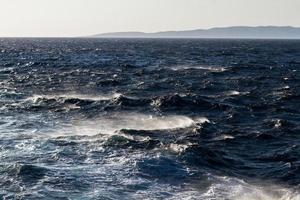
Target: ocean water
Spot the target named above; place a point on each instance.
(149, 119)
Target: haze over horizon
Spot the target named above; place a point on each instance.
(56, 18)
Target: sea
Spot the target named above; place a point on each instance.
(106, 119)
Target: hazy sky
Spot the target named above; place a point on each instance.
(87, 17)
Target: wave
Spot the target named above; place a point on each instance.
(37, 98)
(178, 101)
(28, 172)
(67, 102)
(112, 123)
(60, 102)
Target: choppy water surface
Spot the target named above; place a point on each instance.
(151, 119)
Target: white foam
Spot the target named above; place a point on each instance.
(208, 68)
(278, 123)
(178, 148)
(35, 98)
(235, 93)
(223, 137)
(236, 189)
(110, 124)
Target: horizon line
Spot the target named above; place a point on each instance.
(164, 31)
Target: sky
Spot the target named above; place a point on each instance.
(63, 18)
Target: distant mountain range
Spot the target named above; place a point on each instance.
(262, 32)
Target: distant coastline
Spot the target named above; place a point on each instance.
(237, 32)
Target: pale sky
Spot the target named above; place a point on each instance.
(87, 17)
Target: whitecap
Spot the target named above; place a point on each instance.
(104, 97)
(178, 148)
(277, 123)
(235, 93)
(224, 137)
(208, 68)
(112, 123)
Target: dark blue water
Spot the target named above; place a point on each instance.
(151, 119)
